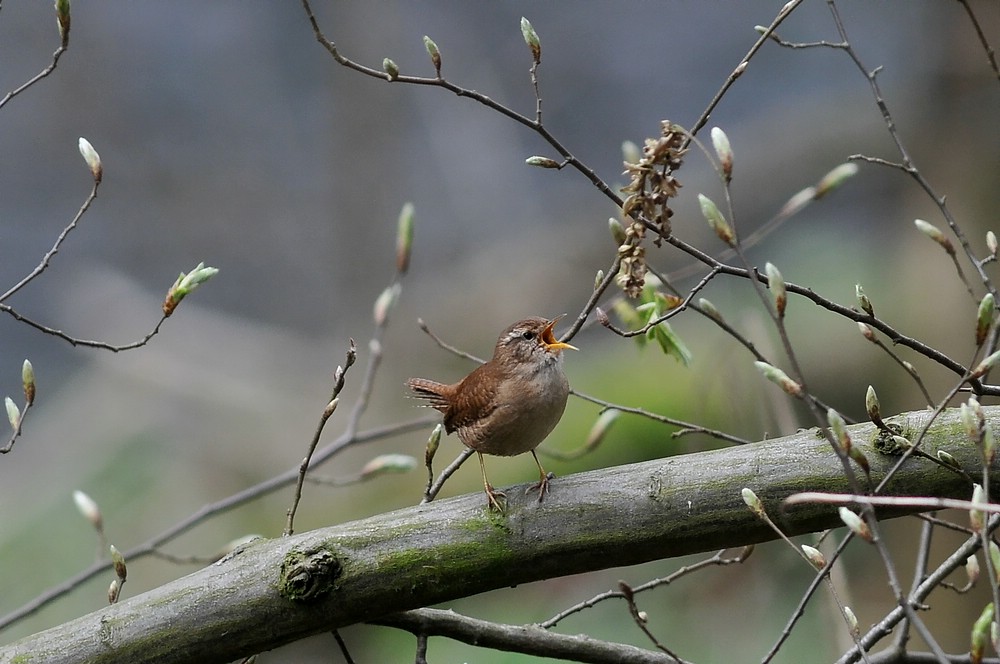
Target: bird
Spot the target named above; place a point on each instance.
(508, 405)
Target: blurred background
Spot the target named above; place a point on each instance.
(228, 135)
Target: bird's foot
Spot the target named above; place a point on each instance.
(542, 487)
(497, 499)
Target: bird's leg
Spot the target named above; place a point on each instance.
(543, 480)
(491, 494)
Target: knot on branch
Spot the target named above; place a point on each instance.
(309, 575)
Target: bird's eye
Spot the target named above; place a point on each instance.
(528, 334)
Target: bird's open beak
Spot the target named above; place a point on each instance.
(549, 339)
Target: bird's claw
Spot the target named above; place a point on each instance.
(542, 487)
(494, 496)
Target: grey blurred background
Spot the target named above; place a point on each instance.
(229, 135)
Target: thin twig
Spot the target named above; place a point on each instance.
(640, 619)
(432, 490)
(338, 385)
(716, 560)
(39, 76)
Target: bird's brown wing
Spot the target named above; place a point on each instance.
(475, 402)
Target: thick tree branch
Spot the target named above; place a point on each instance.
(277, 591)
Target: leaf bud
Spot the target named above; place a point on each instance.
(863, 301)
(984, 317)
(779, 378)
(777, 285)
(92, 158)
(388, 463)
(28, 382)
(118, 561)
(710, 310)
(723, 151)
(716, 221)
(185, 285)
(88, 507)
(404, 238)
(542, 162)
(872, 405)
(432, 50)
(391, 69)
(531, 39)
(753, 502)
(855, 524)
(835, 178)
(13, 413)
(814, 556)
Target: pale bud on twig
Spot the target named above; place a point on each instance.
(984, 317)
(118, 561)
(835, 178)
(404, 238)
(839, 429)
(542, 162)
(981, 634)
(384, 303)
(863, 301)
(601, 427)
(388, 463)
(13, 413)
(331, 407)
(617, 231)
(432, 50)
(779, 378)
(852, 621)
(972, 569)
(815, 557)
(855, 524)
(777, 285)
(977, 518)
(28, 382)
(531, 39)
(967, 417)
(866, 331)
(391, 69)
(598, 279)
(88, 507)
(716, 221)
(934, 233)
(989, 443)
(63, 20)
(432, 444)
(995, 556)
(872, 405)
(710, 310)
(113, 590)
(797, 202)
(92, 158)
(723, 151)
(186, 284)
(991, 243)
(948, 460)
(753, 502)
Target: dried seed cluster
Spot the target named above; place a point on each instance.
(651, 186)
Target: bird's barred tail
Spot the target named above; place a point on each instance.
(429, 390)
